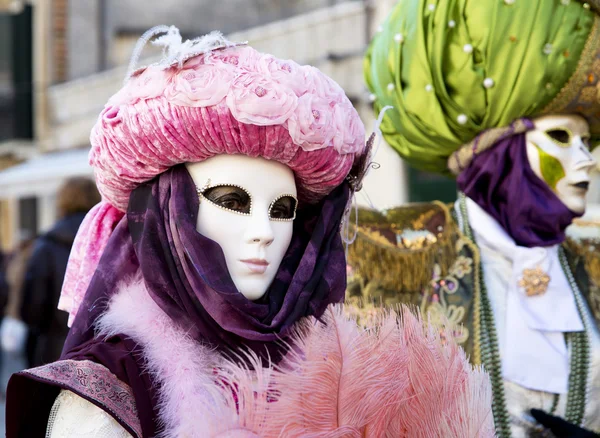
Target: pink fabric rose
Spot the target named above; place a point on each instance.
(287, 73)
(148, 84)
(201, 86)
(351, 128)
(258, 100)
(313, 124)
(243, 57)
(325, 87)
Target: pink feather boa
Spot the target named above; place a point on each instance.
(395, 379)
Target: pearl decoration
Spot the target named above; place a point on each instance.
(372, 97)
(462, 119)
(488, 82)
(468, 48)
(431, 7)
(399, 38)
(586, 6)
(429, 88)
(452, 24)
(547, 49)
(390, 86)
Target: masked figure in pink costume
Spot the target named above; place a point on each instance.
(202, 289)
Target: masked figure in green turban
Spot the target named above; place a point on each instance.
(504, 95)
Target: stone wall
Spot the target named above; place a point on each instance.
(201, 16)
(83, 33)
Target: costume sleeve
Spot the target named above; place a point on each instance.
(72, 416)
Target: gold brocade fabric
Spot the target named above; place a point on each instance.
(581, 93)
(410, 240)
(416, 255)
(586, 262)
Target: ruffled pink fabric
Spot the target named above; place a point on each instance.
(89, 244)
(229, 101)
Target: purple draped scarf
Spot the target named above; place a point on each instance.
(186, 275)
(500, 180)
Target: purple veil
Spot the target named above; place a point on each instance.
(500, 180)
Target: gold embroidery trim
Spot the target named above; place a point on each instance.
(448, 317)
(461, 158)
(476, 299)
(579, 79)
(405, 268)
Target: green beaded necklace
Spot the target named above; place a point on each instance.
(578, 342)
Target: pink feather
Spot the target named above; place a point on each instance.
(395, 379)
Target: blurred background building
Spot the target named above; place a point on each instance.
(60, 60)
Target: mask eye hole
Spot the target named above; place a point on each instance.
(560, 136)
(283, 208)
(232, 198)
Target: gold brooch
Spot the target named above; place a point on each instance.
(534, 281)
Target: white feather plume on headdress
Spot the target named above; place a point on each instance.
(175, 50)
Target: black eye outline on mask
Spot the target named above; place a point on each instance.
(244, 198)
(562, 137)
(291, 214)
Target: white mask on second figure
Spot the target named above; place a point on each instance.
(247, 206)
(558, 152)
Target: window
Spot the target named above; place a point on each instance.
(28, 215)
(425, 186)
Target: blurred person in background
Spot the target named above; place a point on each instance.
(46, 269)
(13, 331)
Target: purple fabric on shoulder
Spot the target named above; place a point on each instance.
(89, 380)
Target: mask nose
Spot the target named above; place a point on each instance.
(584, 160)
(259, 229)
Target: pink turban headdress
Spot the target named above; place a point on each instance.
(209, 97)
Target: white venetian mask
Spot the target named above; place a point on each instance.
(247, 206)
(558, 152)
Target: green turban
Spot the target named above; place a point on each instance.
(453, 68)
